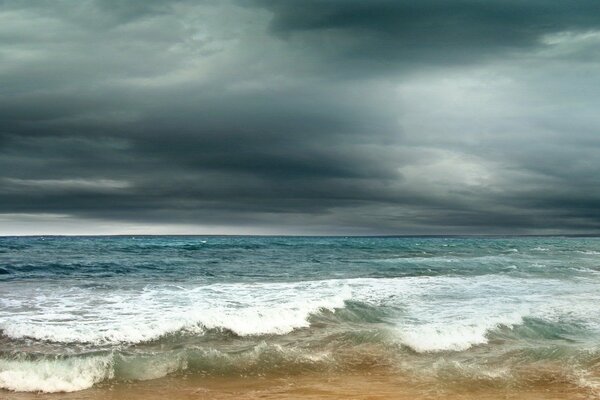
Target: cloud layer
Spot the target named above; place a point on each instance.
(342, 117)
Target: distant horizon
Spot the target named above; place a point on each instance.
(466, 235)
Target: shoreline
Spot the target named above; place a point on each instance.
(368, 384)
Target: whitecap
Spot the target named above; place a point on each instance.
(54, 375)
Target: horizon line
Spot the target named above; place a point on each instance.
(490, 235)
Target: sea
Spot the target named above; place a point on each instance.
(504, 312)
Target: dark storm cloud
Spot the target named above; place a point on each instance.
(390, 33)
(316, 116)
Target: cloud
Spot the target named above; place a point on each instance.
(314, 117)
(430, 31)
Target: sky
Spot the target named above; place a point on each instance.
(341, 117)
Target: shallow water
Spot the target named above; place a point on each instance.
(502, 314)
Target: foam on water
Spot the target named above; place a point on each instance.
(438, 313)
(438, 336)
(54, 375)
(134, 316)
(456, 313)
(589, 252)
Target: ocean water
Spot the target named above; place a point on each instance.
(78, 312)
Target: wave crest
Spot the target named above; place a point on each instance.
(54, 374)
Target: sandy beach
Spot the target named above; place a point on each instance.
(358, 385)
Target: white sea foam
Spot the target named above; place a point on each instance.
(142, 315)
(72, 373)
(453, 336)
(448, 259)
(453, 313)
(54, 375)
(456, 313)
(438, 313)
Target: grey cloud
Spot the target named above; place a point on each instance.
(321, 116)
(426, 31)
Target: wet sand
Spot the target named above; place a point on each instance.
(309, 386)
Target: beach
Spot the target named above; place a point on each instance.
(371, 385)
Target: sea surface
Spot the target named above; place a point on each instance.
(90, 312)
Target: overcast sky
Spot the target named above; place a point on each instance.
(299, 117)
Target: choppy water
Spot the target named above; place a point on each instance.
(81, 311)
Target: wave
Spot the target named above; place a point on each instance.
(333, 353)
(589, 252)
(429, 313)
(245, 310)
(51, 373)
(54, 374)
(358, 323)
(425, 258)
(454, 337)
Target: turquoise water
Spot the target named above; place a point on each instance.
(82, 311)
